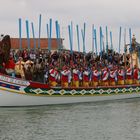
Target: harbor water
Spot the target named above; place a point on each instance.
(110, 120)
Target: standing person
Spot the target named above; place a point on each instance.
(121, 76)
(53, 76)
(95, 76)
(81, 76)
(75, 77)
(105, 77)
(65, 77)
(129, 80)
(25, 55)
(19, 68)
(113, 76)
(136, 75)
(86, 77)
(10, 67)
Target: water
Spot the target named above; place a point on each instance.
(116, 120)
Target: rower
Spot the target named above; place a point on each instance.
(86, 77)
(129, 80)
(113, 76)
(135, 75)
(75, 77)
(65, 77)
(95, 76)
(105, 77)
(53, 76)
(121, 75)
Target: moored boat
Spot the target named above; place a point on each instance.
(17, 92)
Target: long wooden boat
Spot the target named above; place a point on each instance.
(17, 92)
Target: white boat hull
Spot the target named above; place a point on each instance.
(13, 99)
(18, 92)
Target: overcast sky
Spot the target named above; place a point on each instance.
(113, 13)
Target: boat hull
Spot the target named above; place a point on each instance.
(17, 92)
(13, 99)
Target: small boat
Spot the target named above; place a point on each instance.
(18, 92)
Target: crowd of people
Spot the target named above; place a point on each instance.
(66, 69)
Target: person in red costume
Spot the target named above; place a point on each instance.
(95, 76)
(10, 67)
(113, 76)
(105, 77)
(75, 76)
(129, 80)
(53, 76)
(65, 77)
(121, 74)
(135, 75)
(86, 77)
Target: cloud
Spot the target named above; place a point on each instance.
(99, 12)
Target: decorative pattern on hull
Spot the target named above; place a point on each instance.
(82, 91)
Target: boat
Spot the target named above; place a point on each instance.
(18, 92)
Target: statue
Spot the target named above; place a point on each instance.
(5, 46)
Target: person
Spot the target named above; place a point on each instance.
(136, 75)
(105, 77)
(129, 80)
(86, 77)
(121, 76)
(65, 77)
(19, 68)
(75, 77)
(113, 76)
(28, 70)
(53, 76)
(10, 67)
(95, 76)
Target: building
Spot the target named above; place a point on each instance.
(43, 43)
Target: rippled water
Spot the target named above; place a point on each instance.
(117, 120)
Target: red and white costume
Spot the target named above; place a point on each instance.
(135, 74)
(66, 76)
(113, 76)
(95, 76)
(53, 75)
(105, 75)
(86, 76)
(121, 74)
(75, 75)
(129, 73)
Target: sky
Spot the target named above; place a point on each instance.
(110, 13)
